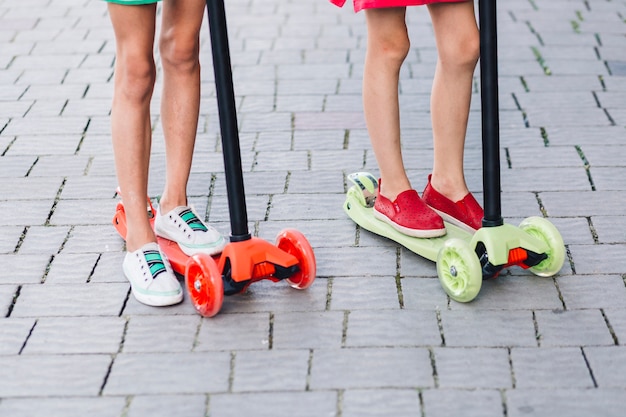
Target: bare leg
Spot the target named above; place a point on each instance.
(179, 47)
(130, 115)
(458, 47)
(387, 47)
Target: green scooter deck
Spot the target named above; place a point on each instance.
(535, 234)
(362, 213)
(426, 247)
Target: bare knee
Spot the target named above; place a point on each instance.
(135, 77)
(463, 53)
(392, 48)
(178, 53)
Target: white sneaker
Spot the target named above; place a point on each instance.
(183, 226)
(151, 277)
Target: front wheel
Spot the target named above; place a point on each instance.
(542, 229)
(294, 243)
(204, 285)
(459, 270)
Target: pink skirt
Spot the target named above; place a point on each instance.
(377, 4)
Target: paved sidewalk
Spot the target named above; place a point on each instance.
(375, 335)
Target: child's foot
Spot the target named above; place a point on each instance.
(151, 277)
(193, 236)
(409, 215)
(465, 213)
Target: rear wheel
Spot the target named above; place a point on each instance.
(542, 229)
(294, 243)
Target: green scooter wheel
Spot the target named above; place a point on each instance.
(542, 229)
(459, 270)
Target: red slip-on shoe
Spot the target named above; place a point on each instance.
(409, 215)
(466, 213)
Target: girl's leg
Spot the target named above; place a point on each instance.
(458, 47)
(387, 47)
(130, 115)
(180, 103)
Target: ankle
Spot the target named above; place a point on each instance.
(453, 190)
(391, 191)
(133, 244)
(166, 204)
(136, 239)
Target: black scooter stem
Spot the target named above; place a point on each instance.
(228, 121)
(489, 112)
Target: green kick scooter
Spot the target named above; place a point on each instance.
(464, 259)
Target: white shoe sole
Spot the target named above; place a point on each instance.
(410, 232)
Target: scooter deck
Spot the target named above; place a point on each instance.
(428, 248)
(178, 259)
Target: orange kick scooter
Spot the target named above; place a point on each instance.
(246, 259)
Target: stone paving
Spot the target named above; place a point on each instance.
(375, 335)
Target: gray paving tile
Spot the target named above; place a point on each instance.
(617, 321)
(275, 404)
(24, 212)
(71, 268)
(167, 405)
(28, 269)
(488, 328)
(367, 403)
(448, 402)
(73, 300)
(572, 328)
(15, 333)
(358, 368)
(368, 293)
(607, 365)
(355, 261)
(10, 238)
(308, 330)
(234, 332)
(473, 368)
(392, 328)
(581, 204)
(65, 406)
(168, 373)
(53, 375)
(423, 294)
(588, 291)
(598, 259)
(76, 335)
(144, 334)
(570, 402)
(550, 368)
(272, 370)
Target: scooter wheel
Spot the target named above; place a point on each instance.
(294, 243)
(542, 229)
(459, 270)
(204, 285)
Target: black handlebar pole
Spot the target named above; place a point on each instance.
(489, 112)
(228, 121)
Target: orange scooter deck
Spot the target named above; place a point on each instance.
(209, 278)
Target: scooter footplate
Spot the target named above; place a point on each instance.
(426, 247)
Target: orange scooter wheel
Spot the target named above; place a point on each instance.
(294, 243)
(204, 285)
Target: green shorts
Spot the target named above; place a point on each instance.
(132, 2)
